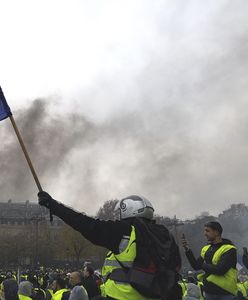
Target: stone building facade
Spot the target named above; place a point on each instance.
(15, 215)
(24, 228)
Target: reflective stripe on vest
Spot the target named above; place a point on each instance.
(228, 281)
(183, 286)
(58, 295)
(120, 290)
(200, 284)
(22, 297)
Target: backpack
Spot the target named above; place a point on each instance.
(153, 273)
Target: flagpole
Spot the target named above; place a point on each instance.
(25, 153)
(27, 157)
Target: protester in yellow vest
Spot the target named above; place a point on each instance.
(60, 292)
(25, 290)
(218, 259)
(120, 238)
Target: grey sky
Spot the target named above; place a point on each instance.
(144, 97)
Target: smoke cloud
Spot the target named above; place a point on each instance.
(165, 117)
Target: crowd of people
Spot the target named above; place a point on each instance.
(50, 284)
(86, 284)
(143, 262)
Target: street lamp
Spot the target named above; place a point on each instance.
(36, 219)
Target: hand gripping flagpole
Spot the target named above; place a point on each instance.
(5, 112)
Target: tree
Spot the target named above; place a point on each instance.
(72, 246)
(15, 249)
(107, 211)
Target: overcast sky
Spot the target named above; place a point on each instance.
(134, 97)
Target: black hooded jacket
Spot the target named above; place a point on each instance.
(10, 289)
(227, 261)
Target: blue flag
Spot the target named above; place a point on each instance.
(5, 111)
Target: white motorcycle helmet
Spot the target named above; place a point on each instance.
(135, 206)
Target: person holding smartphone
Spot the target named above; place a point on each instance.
(218, 260)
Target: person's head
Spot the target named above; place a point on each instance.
(212, 231)
(75, 278)
(9, 275)
(58, 284)
(88, 271)
(25, 288)
(135, 207)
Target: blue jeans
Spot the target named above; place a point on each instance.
(219, 297)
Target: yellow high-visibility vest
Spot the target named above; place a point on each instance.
(49, 292)
(120, 290)
(228, 281)
(22, 297)
(200, 284)
(58, 295)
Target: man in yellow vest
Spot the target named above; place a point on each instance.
(121, 238)
(25, 290)
(60, 292)
(218, 260)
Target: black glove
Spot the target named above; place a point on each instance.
(45, 199)
(245, 251)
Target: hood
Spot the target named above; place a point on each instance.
(226, 242)
(193, 290)
(25, 288)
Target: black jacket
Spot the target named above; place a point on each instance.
(227, 261)
(91, 287)
(107, 234)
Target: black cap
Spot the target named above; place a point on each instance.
(215, 226)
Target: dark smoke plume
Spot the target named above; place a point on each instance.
(172, 82)
(154, 152)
